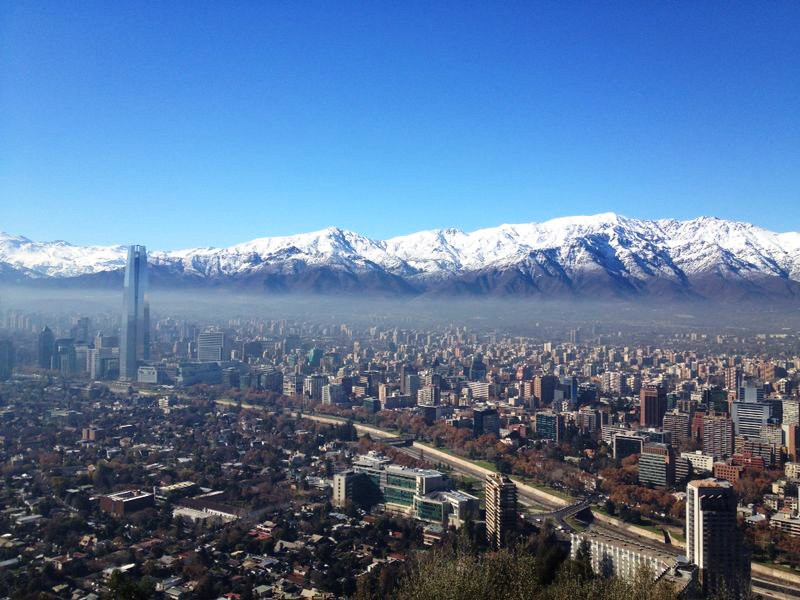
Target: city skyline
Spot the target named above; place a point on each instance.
(269, 120)
(393, 300)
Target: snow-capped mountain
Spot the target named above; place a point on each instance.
(605, 254)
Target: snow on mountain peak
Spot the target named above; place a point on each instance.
(631, 249)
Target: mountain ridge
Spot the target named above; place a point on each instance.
(596, 255)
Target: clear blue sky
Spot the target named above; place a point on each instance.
(209, 123)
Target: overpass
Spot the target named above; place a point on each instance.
(769, 582)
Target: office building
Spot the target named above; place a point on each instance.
(46, 348)
(550, 426)
(392, 485)
(446, 507)
(626, 443)
(544, 387)
(293, 384)
(501, 509)
(749, 417)
(485, 420)
(788, 523)
(312, 387)
(211, 346)
(477, 370)
(410, 384)
(480, 390)
(80, 331)
(333, 393)
(652, 405)
(345, 488)
(418, 493)
(135, 339)
(713, 542)
(728, 472)
(103, 362)
(657, 465)
(65, 359)
(751, 391)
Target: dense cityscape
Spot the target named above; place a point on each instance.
(158, 456)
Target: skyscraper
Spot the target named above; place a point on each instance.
(501, 508)
(46, 348)
(653, 405)
(6, 359)
(713, 542)
(135, 339)
(80, 331)
(544, 387)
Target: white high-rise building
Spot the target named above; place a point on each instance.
(210, 346)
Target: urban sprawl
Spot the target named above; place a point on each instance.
(165, 457)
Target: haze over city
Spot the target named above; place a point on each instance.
(399, 301)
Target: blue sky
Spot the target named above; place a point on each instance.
(209, 123)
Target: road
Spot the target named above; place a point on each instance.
(769, 587)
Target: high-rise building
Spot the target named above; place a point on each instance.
(717, 436)
(477, 370)
(135, 339)
(485, 420)
(429, 395)
(501, 508)
(791, 412)
(713, 542)
(46, 344)
(332, 393)
(293, 384)
(749, 417)
(80, 331)
(411, 385)
(550, 425)
(588, 419)
(544, 387)
(733, 379)
(751, 391)
(657, 465)
(677, 423)
(652, 405)
(211, 346)
(626, 443)
(6, 359)
(313, 385)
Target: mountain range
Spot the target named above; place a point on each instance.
(599, 256)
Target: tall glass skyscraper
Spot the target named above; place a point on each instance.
(135, 339)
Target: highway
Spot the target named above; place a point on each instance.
(764, 585)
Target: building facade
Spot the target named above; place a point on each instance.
(501, 509)
(713, 542)
(135, 338)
